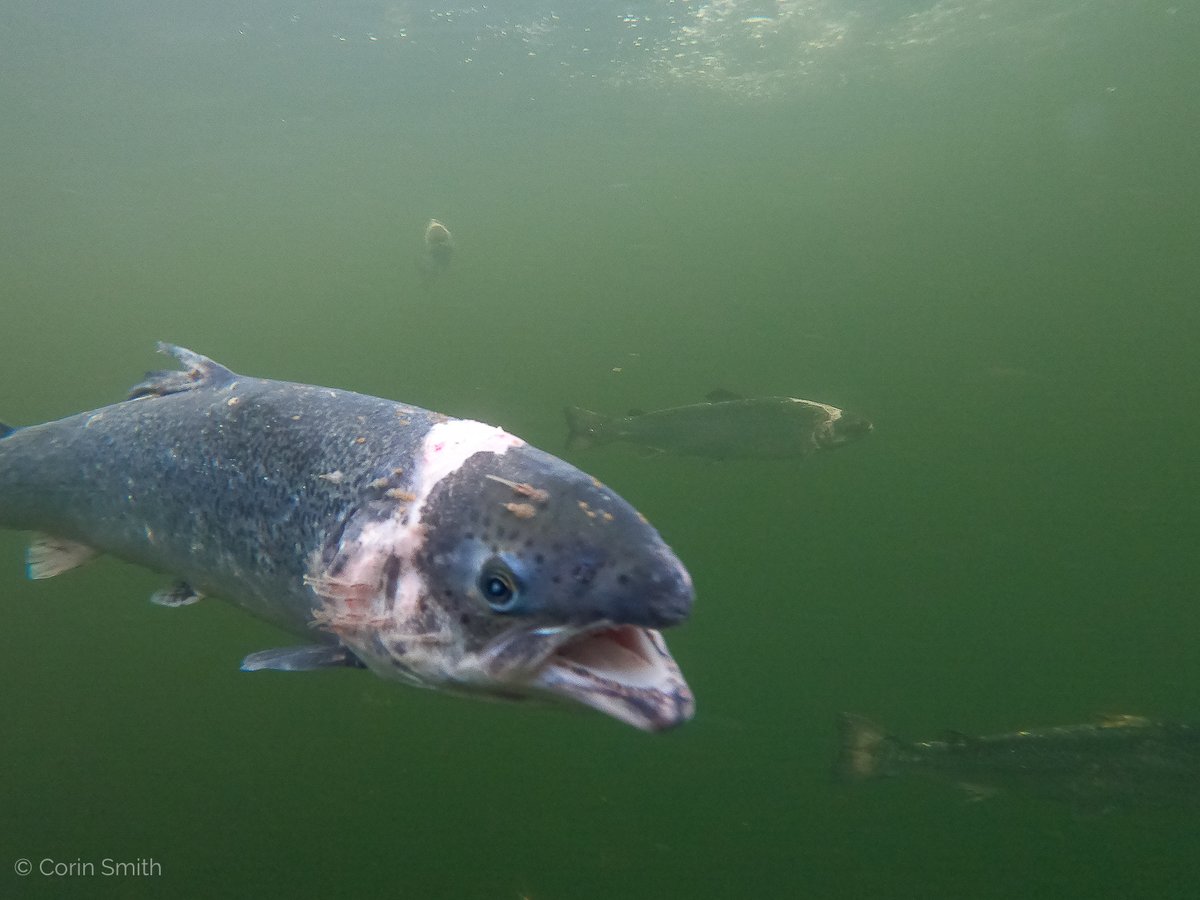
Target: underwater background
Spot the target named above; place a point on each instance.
(973, 222)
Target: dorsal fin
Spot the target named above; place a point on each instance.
(720, 395)
(199, 371)
(6, 430)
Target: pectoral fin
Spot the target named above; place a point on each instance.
(301, 659)
(48, 556)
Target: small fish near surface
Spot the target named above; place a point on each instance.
(437, 252)
(726, 427)
(436, 551)
(1118, 762)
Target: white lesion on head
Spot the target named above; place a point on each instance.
(372, 595)
(823, 430)
(447, 446)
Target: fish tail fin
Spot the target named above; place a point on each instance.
(866, 749)
(585, 428)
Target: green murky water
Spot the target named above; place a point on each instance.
(974, 223)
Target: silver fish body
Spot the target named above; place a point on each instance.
(1117, 762)
(438, 551)
(734, 428)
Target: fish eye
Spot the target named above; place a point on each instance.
(498, 586)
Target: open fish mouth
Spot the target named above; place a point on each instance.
(624, 671)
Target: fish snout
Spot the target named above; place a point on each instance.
(664, 597)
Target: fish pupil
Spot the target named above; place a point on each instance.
(498, 588)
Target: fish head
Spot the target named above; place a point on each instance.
(522, 577)
(533, 537)
(437, 233)
(559, 585)
(844, 428)
(439, 247)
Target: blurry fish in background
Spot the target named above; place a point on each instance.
(726, 427)
(438, 251)
(1118, 762)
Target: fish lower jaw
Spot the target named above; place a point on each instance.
(624, 671)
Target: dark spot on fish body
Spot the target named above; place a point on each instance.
(391, 574)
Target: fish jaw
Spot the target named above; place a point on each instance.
(624, 671)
